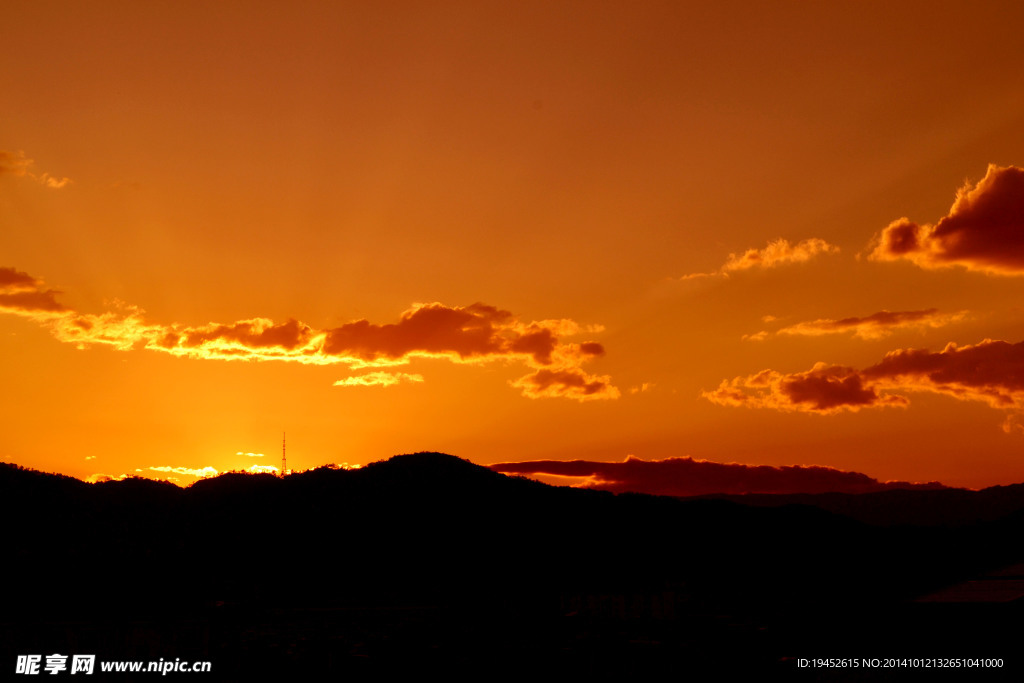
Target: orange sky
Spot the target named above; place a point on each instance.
(513, 232)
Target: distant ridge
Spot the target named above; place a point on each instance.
(686, 476)
(922, 505)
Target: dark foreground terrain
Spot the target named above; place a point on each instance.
(427, 563)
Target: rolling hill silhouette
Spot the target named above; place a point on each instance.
(429, 561)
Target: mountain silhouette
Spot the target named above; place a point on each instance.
(427, 561)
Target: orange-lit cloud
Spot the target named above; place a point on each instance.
(190, 471)
(822, 389)
(207, 472)
(22, 294)
(29, 302)
(875, 326)
(984, 230)
(471, 334)
(249, 334)
(12, 163)
(566, 383)
(689, 477)
(777, 253)
(378, 379)
(15, 279)
(757, 336)
(435, 330)
(16, 164)
(991, 372)
(99, 478)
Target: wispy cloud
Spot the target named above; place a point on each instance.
(874, 326)
(983, 231)
(378, 379)
(17, 165)
(777, 253)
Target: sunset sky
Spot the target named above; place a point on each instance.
(780, 233)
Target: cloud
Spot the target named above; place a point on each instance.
(252, 334)
(206, 472)
(378, 379)
(822, 389)
(99, 478)
(30, 302)
(52, 181)
(250, 455)
(17, 165)
(425, 329)
(699, 276)
(477, 333)
(983, 231)
(567, 383)
(777, 253)
(874, 326)
(689, 477)
(192, 472)
(991, 372)
(16, 280)
(22, 294)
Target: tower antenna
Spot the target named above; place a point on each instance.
(284, 458)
